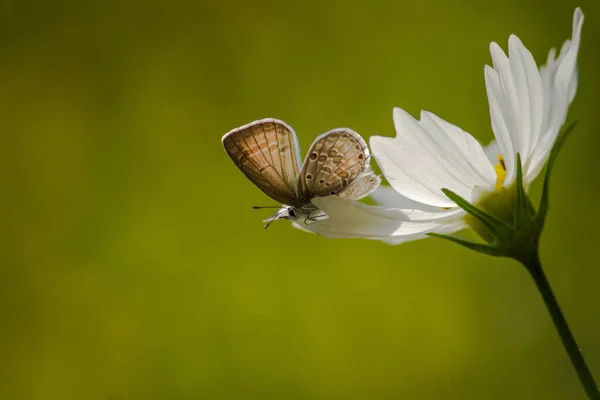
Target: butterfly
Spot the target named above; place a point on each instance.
(337, 163)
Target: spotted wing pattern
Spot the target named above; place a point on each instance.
(267, 152)
(334, 161)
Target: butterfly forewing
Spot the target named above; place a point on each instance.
(266, 151)
(333, 162)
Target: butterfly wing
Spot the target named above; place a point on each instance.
(335, 160)
(362, 186)
(267, 152)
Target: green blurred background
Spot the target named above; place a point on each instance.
(132, 264)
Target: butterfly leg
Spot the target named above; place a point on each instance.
(315, 218)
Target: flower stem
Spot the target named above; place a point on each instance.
(534, 267)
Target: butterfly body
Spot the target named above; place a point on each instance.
(267, 152)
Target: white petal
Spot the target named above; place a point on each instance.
(539, 157)
(469, 156)
(387, 197)
(428, 155)
(445, 229)
(567, 71)
(515, 94)
(492, 150)
(531, 94)
(560, 79)
(502, 123)
(300, 226)
(548, 72)
(351, 219)
(502, 100)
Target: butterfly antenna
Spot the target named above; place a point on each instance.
(274, 217)
(261, 207)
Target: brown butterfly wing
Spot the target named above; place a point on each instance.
(266, 151)
(334, 161)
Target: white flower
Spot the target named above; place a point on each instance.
(527, 107)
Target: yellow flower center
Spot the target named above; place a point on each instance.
(500, 203)
(500, 172)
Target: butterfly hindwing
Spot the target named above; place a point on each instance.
(362, 186)
(334, 161)
(266, 151)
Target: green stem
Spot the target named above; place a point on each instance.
(534, 267)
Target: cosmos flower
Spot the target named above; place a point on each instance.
(528, 107)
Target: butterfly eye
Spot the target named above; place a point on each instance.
(291, 212)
